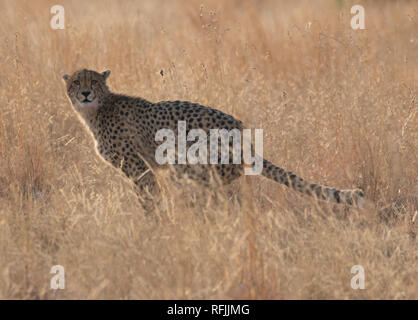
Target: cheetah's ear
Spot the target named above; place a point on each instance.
(66, 77)
(106, 74)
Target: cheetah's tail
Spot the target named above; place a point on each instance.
(353, 197)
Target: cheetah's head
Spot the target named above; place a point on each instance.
(86, 88)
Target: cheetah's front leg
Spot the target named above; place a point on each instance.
(147, 191)
(146, 186)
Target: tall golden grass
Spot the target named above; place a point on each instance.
(337, 106)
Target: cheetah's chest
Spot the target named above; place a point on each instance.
(118, 143)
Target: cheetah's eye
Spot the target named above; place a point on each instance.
(93, 82)
(76, 82)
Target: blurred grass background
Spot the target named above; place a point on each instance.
(337, 106)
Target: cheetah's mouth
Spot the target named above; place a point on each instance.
(86, 103)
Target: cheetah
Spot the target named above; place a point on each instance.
(124, 129)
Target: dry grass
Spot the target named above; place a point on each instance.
(337, 106)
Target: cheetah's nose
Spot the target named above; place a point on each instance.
(86, 93)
